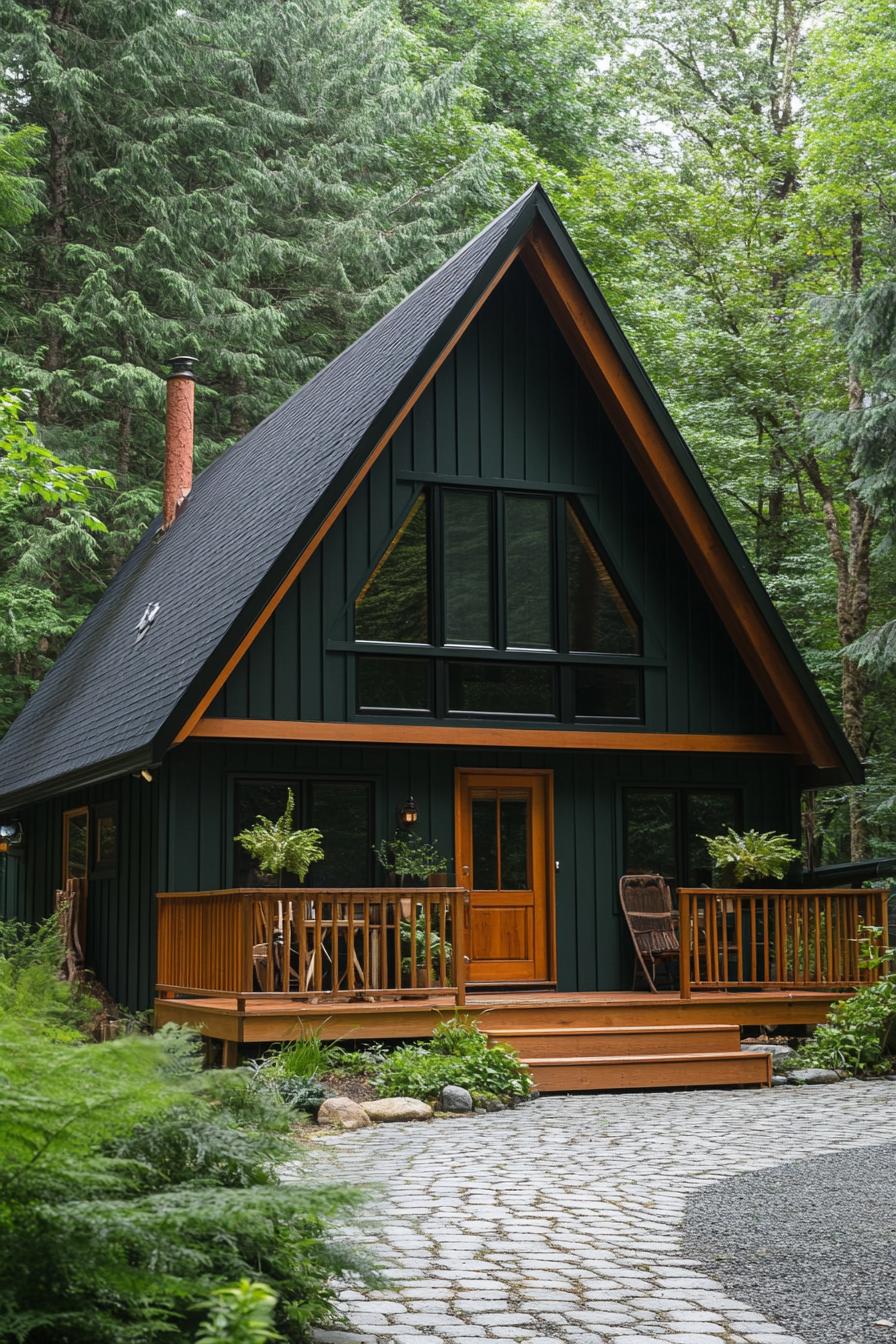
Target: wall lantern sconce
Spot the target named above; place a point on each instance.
(407, 813)
(10, 836)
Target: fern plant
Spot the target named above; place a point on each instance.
(278, 848)
(749, 856)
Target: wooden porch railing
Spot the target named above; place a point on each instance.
(304, 943)
(771, 938)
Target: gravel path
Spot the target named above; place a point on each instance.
(562, 1220)
(816, 1238)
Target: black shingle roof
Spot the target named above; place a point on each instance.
(105, 704)
(111, 703)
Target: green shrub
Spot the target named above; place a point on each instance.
(859, 1034)
(133, 1186)
(459, 1054)
(242, 1314)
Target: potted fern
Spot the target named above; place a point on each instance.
(749, 858)
(278, 848)
(410, 856)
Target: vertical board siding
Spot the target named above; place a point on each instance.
(592, 948)
(120, 909)
(510, 402)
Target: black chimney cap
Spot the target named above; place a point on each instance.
(182, 366)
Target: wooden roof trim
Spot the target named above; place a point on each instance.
(305, 555)
(457, 735)
(674, 495)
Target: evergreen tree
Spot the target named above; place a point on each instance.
(231, 181)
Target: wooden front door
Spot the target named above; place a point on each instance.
(503, 857)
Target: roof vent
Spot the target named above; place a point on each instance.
(146, 620)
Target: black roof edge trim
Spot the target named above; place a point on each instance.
(164, 738)
(78, 779)
(859, 870)
(548, 214)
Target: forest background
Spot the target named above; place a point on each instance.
(255, 183)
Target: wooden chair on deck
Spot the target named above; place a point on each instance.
(653, 924)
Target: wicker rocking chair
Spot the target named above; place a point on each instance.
(652, 923)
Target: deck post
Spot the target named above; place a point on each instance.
(460, 905)
(684, 944)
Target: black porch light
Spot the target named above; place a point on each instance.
(407, 813)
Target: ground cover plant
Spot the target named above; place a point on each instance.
(859, 1034)
(458, 1054)
(135, 1187)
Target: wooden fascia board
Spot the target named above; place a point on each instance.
(339, 505)
(451, 735)
(675, 496)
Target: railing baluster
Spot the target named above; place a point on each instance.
(443, 939)
(396, 939)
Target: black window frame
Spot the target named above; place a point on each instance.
(558, 655)
(301, 785)
(681, 794)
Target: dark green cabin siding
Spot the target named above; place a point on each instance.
(121, 908)
(510, 404)
(197, 822)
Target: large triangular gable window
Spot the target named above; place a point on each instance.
(498, 603)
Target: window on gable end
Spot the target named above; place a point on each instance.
(393, 605)
(600, 619)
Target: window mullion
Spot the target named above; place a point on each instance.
(499, 583)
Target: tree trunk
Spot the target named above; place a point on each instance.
(52, 256)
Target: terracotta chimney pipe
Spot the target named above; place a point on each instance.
(178, 437)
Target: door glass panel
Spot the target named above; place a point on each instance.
(485, 844)
(709, 814)
(468, 583)
(600, 620)
(76, 849)
(393, 605)
(529, 572)
(514, 844)
(649, 840)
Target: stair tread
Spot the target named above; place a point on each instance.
(698, 1027)
(577, 1061)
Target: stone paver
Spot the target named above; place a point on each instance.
(560, 1221)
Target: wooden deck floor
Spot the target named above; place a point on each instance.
(261, 1020)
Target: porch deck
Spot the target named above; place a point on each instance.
(251, 968)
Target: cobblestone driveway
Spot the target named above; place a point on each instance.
(560, 1221)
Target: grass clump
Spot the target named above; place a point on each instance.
(458, 1054)
(135, 1187)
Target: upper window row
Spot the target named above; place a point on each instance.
(515, 571)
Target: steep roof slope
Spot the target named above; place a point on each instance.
(104, 705)
(112, 703)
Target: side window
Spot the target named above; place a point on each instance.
(662, 830)
(341, 809)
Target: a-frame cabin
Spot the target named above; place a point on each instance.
(471, 564)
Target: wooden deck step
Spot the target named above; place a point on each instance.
(720, 1068)
(620, 1042)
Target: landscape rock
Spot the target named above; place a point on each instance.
(398, 1108)
(766, 1047)
(813, 1076)
(455, 1099)
(779, 1080)
(344, 1113)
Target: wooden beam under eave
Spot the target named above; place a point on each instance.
(456, 735)
(675, 496)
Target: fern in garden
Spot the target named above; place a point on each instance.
(133, 1186)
